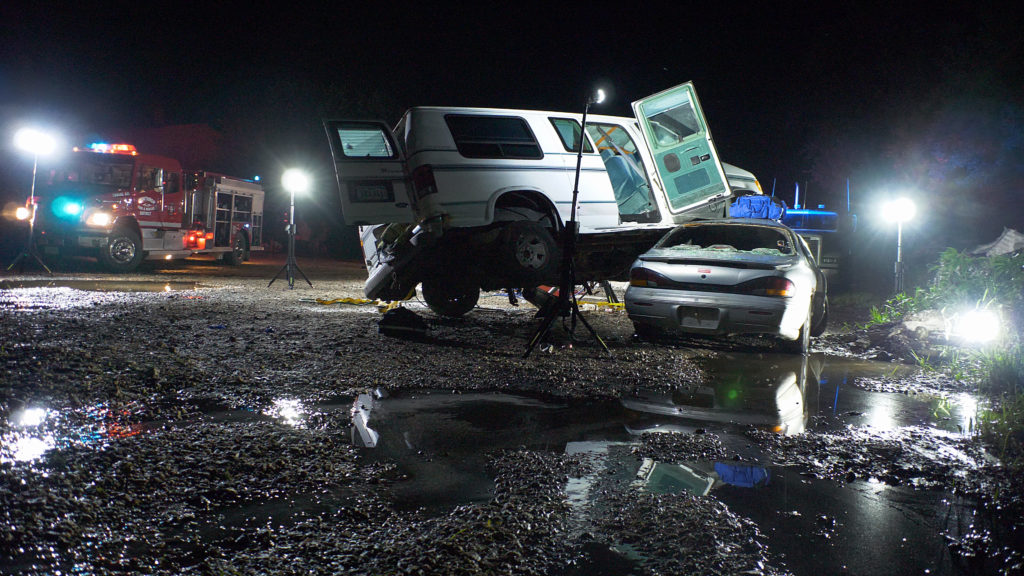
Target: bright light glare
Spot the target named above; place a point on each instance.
(290, 411)
(295, 180)
(22, 213)
(599, 97)
(977, 326)
(899, 210)
(30, 417)
(100, 219)
(34, 141)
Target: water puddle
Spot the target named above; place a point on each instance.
(102, 285)
(33, 431)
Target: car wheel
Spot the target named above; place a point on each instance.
(123, 251)
(530, 252)
(452, 297)
(821, 323)
(802, 344)
(239, 252)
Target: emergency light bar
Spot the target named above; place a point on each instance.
(104, 148)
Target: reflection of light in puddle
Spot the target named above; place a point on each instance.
(33, 430)
(289, 411)
(23, 445)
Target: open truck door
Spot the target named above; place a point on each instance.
(679, 140)
(371, 173)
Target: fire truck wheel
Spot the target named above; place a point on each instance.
(239, 252)
(451, 296)
(123, 251)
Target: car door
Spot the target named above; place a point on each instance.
(371, 172)
(678, 138)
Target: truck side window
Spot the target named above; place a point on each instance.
(493, 137)
(171, 184)
(569, 131)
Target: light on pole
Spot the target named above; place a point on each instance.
(38, 144)
(565, 305)
(294, 181)
(899, 211)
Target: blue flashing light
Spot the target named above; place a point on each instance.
(67, 207)
(256, 178)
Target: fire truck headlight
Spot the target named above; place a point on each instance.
(22, 213)
(99, 219)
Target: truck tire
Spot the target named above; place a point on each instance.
(530, 253)
(239, 252)
(123, 251)
(451, 296)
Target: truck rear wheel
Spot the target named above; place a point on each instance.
(530, 253)
(452, 297)
(123, 252)
(239, 251)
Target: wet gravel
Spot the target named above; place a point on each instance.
(173, 452)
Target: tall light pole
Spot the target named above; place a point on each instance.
(899, 210)
(293, 180)
(566, 305)
(38, 144)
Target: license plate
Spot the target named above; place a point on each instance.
(371, 192)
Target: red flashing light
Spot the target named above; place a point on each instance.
(104, 148)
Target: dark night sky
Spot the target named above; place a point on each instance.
(881, 93)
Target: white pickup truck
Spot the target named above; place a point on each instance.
(464, 199)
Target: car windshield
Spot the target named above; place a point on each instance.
(726, 238)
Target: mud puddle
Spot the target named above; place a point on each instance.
(704, 442)
(103, 285)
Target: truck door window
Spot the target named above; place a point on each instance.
(626, 171)
(150, 178)
(569, 131)
(493, 137)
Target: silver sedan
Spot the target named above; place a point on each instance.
(729, 276)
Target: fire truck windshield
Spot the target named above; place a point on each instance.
(115, 172)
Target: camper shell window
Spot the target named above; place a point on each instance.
(493, 137)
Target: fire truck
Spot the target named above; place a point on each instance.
(121, 206)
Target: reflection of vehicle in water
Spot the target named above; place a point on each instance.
(770, 394)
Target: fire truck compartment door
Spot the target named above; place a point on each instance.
(677, 135)
(371, 173)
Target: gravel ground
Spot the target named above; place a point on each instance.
(145, 479)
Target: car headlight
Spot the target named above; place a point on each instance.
(99, 219)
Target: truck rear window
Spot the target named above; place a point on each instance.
(493, 137)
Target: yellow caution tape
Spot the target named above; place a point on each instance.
(345, 301)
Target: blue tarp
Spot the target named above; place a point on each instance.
(758, 206)
(743, 475)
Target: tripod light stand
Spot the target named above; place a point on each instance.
(565, 305)
(37, 143)
(293, 181)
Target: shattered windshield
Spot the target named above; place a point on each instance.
(727, 238)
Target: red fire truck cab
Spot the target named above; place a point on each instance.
(122, 206)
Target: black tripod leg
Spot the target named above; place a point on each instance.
(303, 274)
(283, 268)
(542, 330)
(583, 319)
